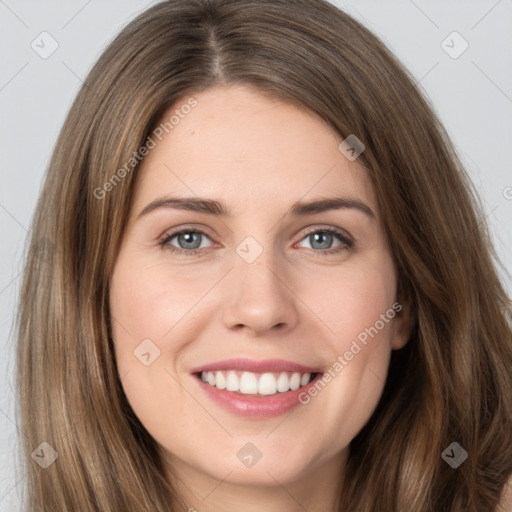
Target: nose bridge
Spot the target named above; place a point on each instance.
(258, 295)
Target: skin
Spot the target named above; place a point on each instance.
(294, 302)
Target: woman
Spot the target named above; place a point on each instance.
(250, 371)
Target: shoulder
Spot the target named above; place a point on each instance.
(505, 504)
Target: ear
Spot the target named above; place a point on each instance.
(403, 324)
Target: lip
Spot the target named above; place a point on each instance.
(255, 366)
(255, 406)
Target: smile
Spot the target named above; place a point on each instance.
(255, 389)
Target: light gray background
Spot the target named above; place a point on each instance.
(472, 94)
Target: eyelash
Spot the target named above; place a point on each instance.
(347, 243)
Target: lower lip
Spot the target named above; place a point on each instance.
(256, 406)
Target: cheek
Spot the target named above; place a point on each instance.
(144, 310)
(145, 303)
(366, 313)
(365, 329)
(354, 301)
(360, 315)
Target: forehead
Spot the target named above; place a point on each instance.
(252, 151)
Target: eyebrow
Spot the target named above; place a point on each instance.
(298, 209)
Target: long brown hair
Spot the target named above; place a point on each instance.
(451, 383)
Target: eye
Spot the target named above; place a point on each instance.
(189, 241)
(322, 239)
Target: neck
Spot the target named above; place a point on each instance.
(315, 490)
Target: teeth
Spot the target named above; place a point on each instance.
(283, 383)
(232, 382)
(220, 380)
(295, 381)
(249, 383)
(267, 384)
(305, 379)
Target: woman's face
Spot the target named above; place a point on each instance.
(292, 281)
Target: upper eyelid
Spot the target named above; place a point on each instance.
(333, 229)
(171, 233)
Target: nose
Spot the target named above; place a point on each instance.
(259, 298)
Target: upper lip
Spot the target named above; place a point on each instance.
(255, 366)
